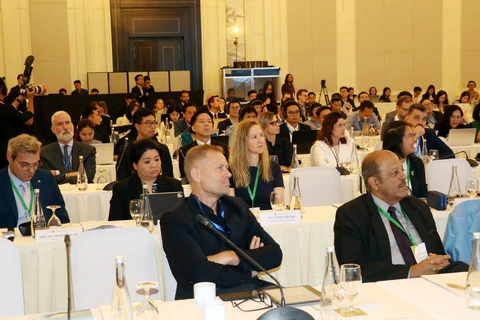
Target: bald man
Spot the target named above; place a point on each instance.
(196, 254)
(61, 158)
(389, 234)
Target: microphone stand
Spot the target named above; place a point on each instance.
(119, 162)
(471, 162)
(281, 313)
(68, 244)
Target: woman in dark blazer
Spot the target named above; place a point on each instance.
(400, 139)
(145, 157)
(452, 118)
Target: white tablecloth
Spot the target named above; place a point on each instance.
(109, 172)
(90, 205)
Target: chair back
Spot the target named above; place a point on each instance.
(169, 284)
(378, 146)
(11, 291)
(318, 186)
(439, 174)
(93, 264)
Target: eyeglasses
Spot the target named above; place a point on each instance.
(27, 166)
(149, 123)
(293, 112)
(274, 123)
(256, 296)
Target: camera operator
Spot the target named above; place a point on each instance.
(15, 92)
(14, 121)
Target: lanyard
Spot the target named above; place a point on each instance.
(27, 209)
(250, 193)
(395, 222)
(222, 214)
(408, 172)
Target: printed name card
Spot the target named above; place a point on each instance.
(56, 234)
(276, 217)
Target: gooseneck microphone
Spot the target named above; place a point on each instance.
(471, 162)
(68, 244)
(278, 313)
(119, 162)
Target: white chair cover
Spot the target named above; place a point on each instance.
(93, 264)
(169, 284)
(318, 185)
(440, 174)
(378, 146)
(11, 292)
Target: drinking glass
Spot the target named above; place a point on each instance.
(472, 188)
(273, 158)
(147, 310)
(101, 178)
(136, 210)
(54, 221)
(433, 154)
(277, 201)
(350, 282)
(365, 141)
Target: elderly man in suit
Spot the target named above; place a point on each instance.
(61, 158)
(194, 253)
(20, 178)
(389, 234)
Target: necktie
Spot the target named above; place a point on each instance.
(66, 157)
(215, 116)
(402, 239)
(25, 192)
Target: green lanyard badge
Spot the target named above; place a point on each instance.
(250, 193)
(399, 226)
(28, 210)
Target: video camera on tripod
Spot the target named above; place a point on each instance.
(39, 89)
(324, 91)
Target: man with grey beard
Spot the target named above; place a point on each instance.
(61, 158)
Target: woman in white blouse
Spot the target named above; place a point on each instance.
(333, 146)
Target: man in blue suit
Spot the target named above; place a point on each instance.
(20, 178)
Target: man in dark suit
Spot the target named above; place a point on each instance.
(202, 126)
(401, 111)
(378, 229)
(213, 106)
(61, 158)
(142, 93)
(78, 89)
(194, 253)
(14, 93)
(147, 86)
(348, 103)
(182, 124)
(234, 108)
(20, 178)
(92, 113)
(291, 113)
(417, 118)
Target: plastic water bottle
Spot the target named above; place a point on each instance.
(473, 276)
(331, 302)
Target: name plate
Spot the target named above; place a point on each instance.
(276, 217)
(56, 234)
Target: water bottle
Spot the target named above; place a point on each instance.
(295, 163)
(38, 221)
(147, 219)
(331, 302)
(296, 199)
(82, 182)
(121, 308)
(112, 136)
(473, 276)
(454, 190)
(424, 153)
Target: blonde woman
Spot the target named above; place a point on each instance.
(254, 177)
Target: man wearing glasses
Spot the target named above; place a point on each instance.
(234, 107)
(18, 180)
(402, 106)
(291, 113)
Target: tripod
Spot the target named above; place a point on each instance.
(324, 91)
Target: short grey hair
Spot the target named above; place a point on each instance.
(56, 114)
(23, 143)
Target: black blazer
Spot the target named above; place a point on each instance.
(52, 159)
(141, 97)
(12, 95)
(223, 125)
(182, 153)
(361, 237)
(283, 149)
(180, 126)
(284, 133)
(187, 244)
(49, 194)
(417, 176)
(130, 189)
(433, 142)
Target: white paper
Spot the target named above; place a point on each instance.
(276, 217)
(55, 234)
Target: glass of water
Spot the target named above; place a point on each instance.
(472, 188)
(277, 201)
(350, 283)
(433, 154)
(365, 141)
(136, 210)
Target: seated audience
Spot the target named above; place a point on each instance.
(332, 147)
(322, 113)
(143, 127)
(246, 113)
(476, 121)
(91, 113)
(78, 89)
(133, 106)
(471, 90)
(194, 253)
(464, 97)
(184, 97)
(348, 103)
(94, 91)
(430, 94)
(122, 109)
(18, 180)
(234, 109)
(417, 118)
(63, 92)
(173, 114)
(145, 158)
(182, 124)
(213, 106)
(291, 112)
(85, 132)
(441, 100)
(254, 177)
(336, 103)
(364, 114)
(452, 118)
(400, 139)
(258, 105)
(417, 98)
(302, 100)
(61, 158)
(251, 95)
(377, 229)
(277, 145)
(160, 109)
(401, 110)
(313, 121)
(385, 97)
(372, 91)
(202, 128)
(433, 116)
(312, 98)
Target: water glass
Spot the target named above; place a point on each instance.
(54, 221)
(277, 201)
(365, 141)
(350, 283)
(147, 310)
(136, 210)
(433, 154)
(273, 158)
(472, 188)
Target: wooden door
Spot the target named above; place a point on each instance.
(158, 54)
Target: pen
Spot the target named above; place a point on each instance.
(456, 286)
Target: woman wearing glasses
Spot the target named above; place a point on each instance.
(433, 116)
(452, 118)
(277, 145)
(400, 139)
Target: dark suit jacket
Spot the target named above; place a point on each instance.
(52, 159)
(223, 125)
(180, 126)
(360, 236)
(49, 194)
(187, 244)
(130, 189)
(284, 133)
(182, 153)
(388, 119)
(417, 177)
(433, 142)
(141, 97)
(12, 95)
(84, 92)
(390, 115)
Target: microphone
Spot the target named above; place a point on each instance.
(471, 162)
(68, 244)
(279, 313)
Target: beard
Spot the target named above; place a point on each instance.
(65, 136)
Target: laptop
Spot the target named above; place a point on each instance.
(462, 137)
(304, 140)
(104, 153)
(163, 202)
(374, 98)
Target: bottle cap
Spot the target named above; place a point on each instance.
(80, 157)
(36, 191)
(330, 248)
(476, 235)
(119, 259)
